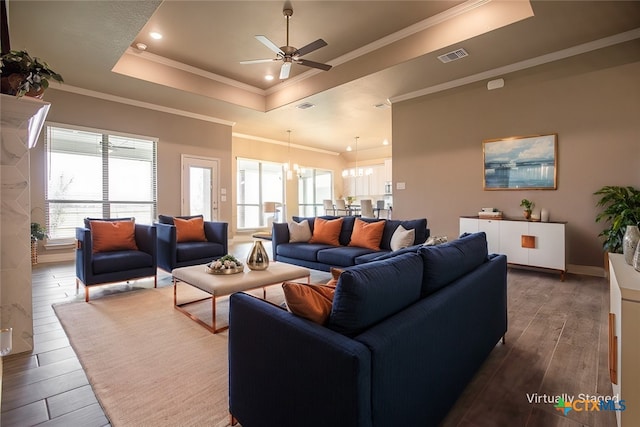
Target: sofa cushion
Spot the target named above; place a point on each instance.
(368, 293)
(190, 230)
(367, 234)
(371, 256)
(189, 251)
(108, 236)
(326, 231)
(446, 262)
(402, 238)
(302, 251)
(299, 232)
(342, 256)
(111, 262)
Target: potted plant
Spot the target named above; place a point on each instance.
(621, 208)
(528, 206)
(38, 232)
(24, 75)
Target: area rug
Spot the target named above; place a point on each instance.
(149, 364)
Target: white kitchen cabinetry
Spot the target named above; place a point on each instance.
(624, 346)
(533, 244)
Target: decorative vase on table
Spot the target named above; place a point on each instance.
(258, 258)
(630, 243)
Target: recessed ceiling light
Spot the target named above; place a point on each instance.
(141, 46)
(155, 35)
(268, 77)
(349, 148)
(385, 142)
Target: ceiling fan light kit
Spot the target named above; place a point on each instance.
(290, 55)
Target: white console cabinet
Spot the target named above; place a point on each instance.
(624, 346)
(533, 244)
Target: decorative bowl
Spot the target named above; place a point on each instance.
(210, 270)
(228, 264)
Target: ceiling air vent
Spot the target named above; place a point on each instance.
(305, 105)
(454, 55)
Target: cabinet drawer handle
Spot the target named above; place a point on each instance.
(613, 349)
(528, 242)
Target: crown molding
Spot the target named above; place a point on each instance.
(142, 104)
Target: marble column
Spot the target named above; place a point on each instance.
(21, 120)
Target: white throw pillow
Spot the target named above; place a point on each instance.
(402, 238)
(299, 231)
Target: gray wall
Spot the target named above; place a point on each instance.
(591, 101)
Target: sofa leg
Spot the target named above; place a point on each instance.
(504, 340)
(155, 281)
(232, 420)
(86, 293)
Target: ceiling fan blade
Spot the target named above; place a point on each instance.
(258, 61)
(271, 45)
(310, 47)
(284, 71)
(313, 64)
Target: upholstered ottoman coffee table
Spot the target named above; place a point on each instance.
(219, 285)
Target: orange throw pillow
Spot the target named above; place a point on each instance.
(326, 231)
(190, 230)
(367, 234)
(335, 275)
(312, 302)
(109, 236)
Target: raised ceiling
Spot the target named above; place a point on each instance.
(380, 51)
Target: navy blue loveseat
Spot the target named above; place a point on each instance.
(405, 336)
(322, 256)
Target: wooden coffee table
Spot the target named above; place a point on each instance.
(219, 285)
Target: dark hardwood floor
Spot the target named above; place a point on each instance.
(556, 344)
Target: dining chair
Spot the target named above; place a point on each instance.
(329, 209)
(341, 208)
(366, 208)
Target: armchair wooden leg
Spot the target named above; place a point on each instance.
(86, 293)
(155, 281)
(232, 420)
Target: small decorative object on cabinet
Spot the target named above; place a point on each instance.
(630, 243)
(258, 258)
(636, 258)
(544, 215)
(528, 206)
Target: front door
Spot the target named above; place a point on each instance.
(200, 187)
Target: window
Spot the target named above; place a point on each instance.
(100, 175)
(258, 182)
(315, 185)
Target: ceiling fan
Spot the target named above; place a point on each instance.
(289, 54)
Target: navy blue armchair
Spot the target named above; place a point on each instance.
(173, 254)
(100, 268)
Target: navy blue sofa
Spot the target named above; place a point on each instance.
(405, 336)
(322, 257)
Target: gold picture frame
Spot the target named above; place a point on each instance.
(521, 163)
